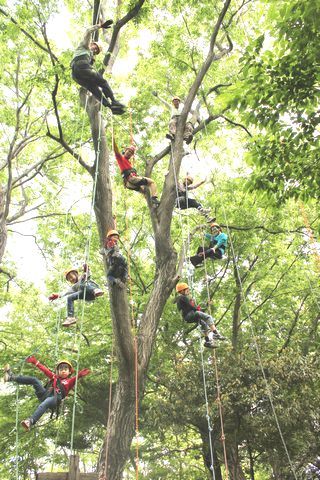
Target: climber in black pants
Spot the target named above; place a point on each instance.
(85, 75)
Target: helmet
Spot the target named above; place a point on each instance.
(188, 179)
(176, 98)
(215, 225)
(98, 44)
(67, 362)
(66, 273)
(112, 232)
(181, 286)
(132, 148)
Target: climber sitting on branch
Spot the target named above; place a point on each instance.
(85, 75)
(129, 174)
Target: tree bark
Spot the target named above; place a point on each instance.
(3, 227)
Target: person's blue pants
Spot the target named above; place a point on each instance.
(46, 404)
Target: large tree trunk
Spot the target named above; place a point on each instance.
(121, 425)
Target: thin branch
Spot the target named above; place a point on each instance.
(120, 23)
(27, 34)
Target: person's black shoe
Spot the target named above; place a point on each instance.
(189, 139)
(218, 336)
(155, 201)
(210, 345)
(170, 136)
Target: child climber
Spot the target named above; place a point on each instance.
(81, 289)
(193, 314)
(184, 201)
(117, 265)
(217, 246)
(176, 108)
(50, 396)
(129, 174)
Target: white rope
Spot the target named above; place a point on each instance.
(87, 258)
(268, 389)
(186, 251)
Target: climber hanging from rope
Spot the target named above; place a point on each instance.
(217, 246)
(85, 75)
(51, 395)
(82, 288)
(193, 314)
(175, 111)
(184, 201)
(117, 265)
(129, 174)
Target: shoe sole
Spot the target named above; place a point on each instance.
(69, 324)
(99, 294)
(25, 427)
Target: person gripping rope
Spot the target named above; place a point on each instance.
(193, 314)
(117, 273)
(51, 395)
(217, 246)
(129, 174)
(82, 288)
(85, 75)
(183, 200)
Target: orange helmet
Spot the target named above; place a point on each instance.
(66, 273)
(112, 232)
(66, 362)
(215, 225)
(181, 286)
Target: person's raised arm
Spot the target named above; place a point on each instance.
(167, 104)
(87, 36)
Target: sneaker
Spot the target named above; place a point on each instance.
(117, 110)
(204, 210)
(69, 321)
(26, 424)
(189, 139)
(211, 220)
(7, 377)
(98, 293)
(170, 136)
(210, 345)
(155, 201)
(218, 336)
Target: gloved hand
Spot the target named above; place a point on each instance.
(84, 372)
(155, 93)
(107, 24)
(85, 267)
(31, 359)
(53, 296)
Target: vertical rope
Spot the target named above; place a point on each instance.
(186, 251)
(214, 356)
(87, 256)
(109, 411)
(268, 389)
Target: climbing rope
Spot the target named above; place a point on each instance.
(190, 276)
(215, 363)
(268, 388)
(87, 257)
